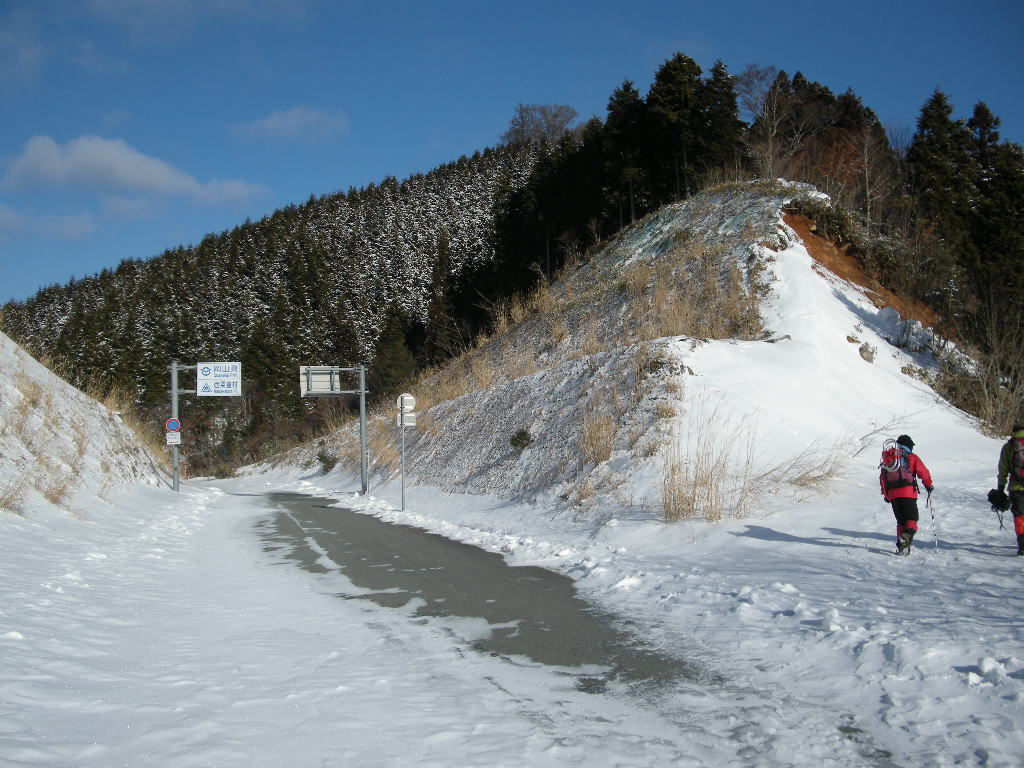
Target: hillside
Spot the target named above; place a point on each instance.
(599, 367)
(62, 450)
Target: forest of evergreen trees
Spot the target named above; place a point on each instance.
(402, 275)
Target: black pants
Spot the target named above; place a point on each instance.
(906, 515)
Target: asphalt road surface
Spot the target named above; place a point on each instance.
(532, 612)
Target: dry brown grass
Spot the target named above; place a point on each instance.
(666, 410)
(82, 438)
(675, 504)
(56, 485)
(119, 401)
(600, 426)
(382, 443)
(518, 360)
(558, 331)
(428, 424)
(544, 300)
(812, 470)
(709, 469)
(591, 340)
(32, 396)
(483, 370)
(348, 450)
(697, 292)
(443, 385)
(13, 494)
(584, 492)
(636, 280)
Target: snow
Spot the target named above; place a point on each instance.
(155, 628)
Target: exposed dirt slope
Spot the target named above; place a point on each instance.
(843, 264)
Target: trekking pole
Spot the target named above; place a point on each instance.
(999, 517)
(931, 508)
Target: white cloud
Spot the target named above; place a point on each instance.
(109, 165)
(296, 123)
(125, 208)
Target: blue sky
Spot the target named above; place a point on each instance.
(132, 126)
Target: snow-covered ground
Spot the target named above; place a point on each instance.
(154, 628)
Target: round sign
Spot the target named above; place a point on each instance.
(406, 402)
(173, 425)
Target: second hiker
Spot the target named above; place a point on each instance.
(1011, 466)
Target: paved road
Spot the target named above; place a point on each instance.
(532, 612)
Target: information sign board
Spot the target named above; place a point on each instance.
(219, 379)
(323, 380)
(174, 438)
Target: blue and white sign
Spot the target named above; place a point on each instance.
(219, 379)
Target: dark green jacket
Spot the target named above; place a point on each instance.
(1006, 465)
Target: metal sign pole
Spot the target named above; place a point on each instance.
(174, 415)
(406, 403)
(175, 391)
(326, 381)
(401, 426)
(363, 469)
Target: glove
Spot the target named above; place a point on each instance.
(998, 500)
(929, 488)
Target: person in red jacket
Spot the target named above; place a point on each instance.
(899, 488)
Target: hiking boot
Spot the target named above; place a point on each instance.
(902, 545)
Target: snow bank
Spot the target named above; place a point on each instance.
(59, 447)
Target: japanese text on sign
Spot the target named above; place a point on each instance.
(219, 379)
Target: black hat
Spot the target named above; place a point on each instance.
(905, 440)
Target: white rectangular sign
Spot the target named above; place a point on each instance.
(406, 419)
(219, 379)
(316, 380)
(173, 438)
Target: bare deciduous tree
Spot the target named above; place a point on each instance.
(752, 87)
(762, 98)
(536, 122)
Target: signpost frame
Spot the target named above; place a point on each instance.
(325, 381)
(173, 424)
(175, 454)
(406, 418)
